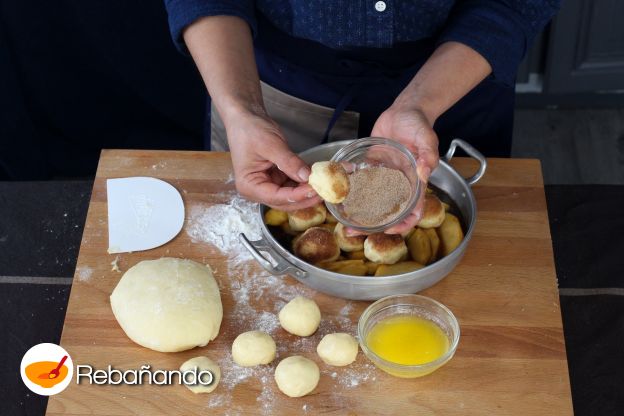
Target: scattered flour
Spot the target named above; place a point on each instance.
(84, 273)
(115, 265)
(257, 299)
(221, 224)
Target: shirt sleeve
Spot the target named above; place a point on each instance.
(500, 30)
(184, 12)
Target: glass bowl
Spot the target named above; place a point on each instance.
(411, 305)
(373, 151)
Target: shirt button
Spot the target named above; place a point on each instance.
(380, 6)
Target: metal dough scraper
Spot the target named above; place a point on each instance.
(143, 213)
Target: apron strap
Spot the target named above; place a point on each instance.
(344, 102)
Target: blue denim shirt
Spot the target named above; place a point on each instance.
(500, 30)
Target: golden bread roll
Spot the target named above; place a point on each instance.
(288, 230)
(434, 240)
(330, 219)
(303, 219)
(433, 212)
(348, 244)
(371, 267)
(330, 181)
(398, 268)
(356, 255)
(384, 248)
(352, 267)
(419, 246)
(450, 233)
(316, 245)
(275, 217)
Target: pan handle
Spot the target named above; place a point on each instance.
(472, 152)
(278, 266)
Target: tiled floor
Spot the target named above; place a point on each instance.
(575, 146)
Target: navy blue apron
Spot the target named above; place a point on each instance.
(367, 81)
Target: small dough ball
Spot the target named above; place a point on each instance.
(301, 316)
(385, 248)
(315, 245)
(348, 244)
(338, 349)
(202, 364)
(168, 305)
(435, 243)
(302, 219)
(297, 376)
(253, 348)
(433, 212)
(275, 217)
(330, 181)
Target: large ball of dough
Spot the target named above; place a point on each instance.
(301, 316)
(346, 243)
(330, 181)
(204, 383)
(297, 376)
(433, 212)
(315, 245)
(385, 248)
(338, 349)
(253, 348)
(168, 304)
(302, 219)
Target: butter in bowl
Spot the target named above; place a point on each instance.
(408, 335)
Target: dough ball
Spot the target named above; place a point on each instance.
(253, 348)
(302, 219)
(297, 376)
(330, 181)
(348, 244)
(202, 364)
(433, 212)
(168, 304)
(301, 316)
(385, 248)
(338, 349)
(315, 245)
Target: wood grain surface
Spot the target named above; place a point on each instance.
(511, 357)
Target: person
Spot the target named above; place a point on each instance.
(284, 76)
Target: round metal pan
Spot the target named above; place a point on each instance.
(279, 260)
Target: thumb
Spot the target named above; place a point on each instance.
(289, 163)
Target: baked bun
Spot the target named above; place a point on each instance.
(315, 245)
(330, 181)
(303, 219)
(433, 212)
(348, 244)
(385, 248)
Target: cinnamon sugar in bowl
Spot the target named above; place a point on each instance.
(384, 185)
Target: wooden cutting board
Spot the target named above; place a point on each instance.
(511, 357)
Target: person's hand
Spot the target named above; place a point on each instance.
(411, 128)
(265, 169)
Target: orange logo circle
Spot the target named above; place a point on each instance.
(46, 369)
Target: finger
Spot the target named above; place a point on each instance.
(408, 223)
(351, 232)
(310, 202)
(289, 163)
(264, 191)
(411, 220)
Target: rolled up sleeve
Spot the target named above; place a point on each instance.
(184, 12)
(501, 31)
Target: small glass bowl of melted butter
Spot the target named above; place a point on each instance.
(408, 335)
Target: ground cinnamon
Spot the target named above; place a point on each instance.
(377, 195)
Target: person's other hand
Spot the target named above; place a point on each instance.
(411, 128)
(265, 169)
